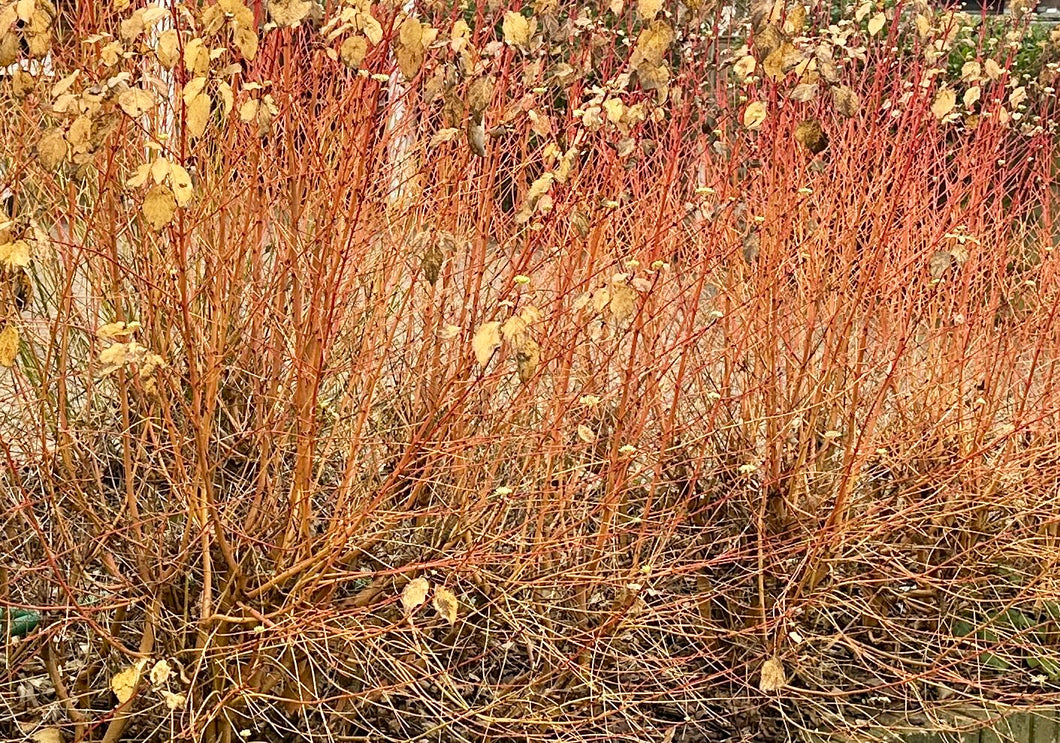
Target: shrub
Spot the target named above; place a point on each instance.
(510, 373)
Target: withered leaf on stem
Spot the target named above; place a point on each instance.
(811, 136)
(431, 262)
(414, 594)
(9, 340)
(773, 677)
(527, 359)
(845, 100)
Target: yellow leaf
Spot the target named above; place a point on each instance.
(513, 327)
(136, 101)
(246, 41)
(370, 27)
(196, 57)
(992, 69)
(228, 99)
(446, 604)
(174, 701)
(586, 434)
(289, 12)
(516, 30)
(773, 677)
(944, 103)
(414, 594)
(651, 45)
(197, 114)
(754, 115)
(117, 329)
(623, 302)
(159, 169)
(487, 340)
(24, 9)
(47, 735)
(8, 345)
(409, 48)
(876, 23)
(648, 9)
(113, 358)
(125, 683)
(971, 96)
(64, 85)
(180, 182)
(248, 111)
(8, 49)
(143, 172)
(14, 254)
(744, 68)
(160, 672)
(159, 207)
(51, 149)
(353, 50)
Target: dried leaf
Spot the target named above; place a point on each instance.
(811, 136)
(513, 328)
(167, 50)
(9, 341)
(159, 207)
(119, 329)
(446, 604)
(431, 262)
(773, 677)
(409, 47)
(972, 95)
(648, 9)
(744, 68)
(623, 302)
(804, 92)
(14, 255)
(527, 359)
(246, 41)
(174, 701)
(353, 51)
(487, 340)
(516, 29)
(52, 149)
(876, 23)
(180, 182)
(160, 672)
(196, 57)
(476, 137)
(8, 49)
(414, 594)
(652, 45)
(289, 12)
(442, 136)
(992, 69)
(586, 434)
(197, 115)
(125, 683)
(47, 735)
(845, 100)
(248, 111)
(754, 115)
(136, 101)
(944, 103)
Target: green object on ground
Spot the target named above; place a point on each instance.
(19, 622)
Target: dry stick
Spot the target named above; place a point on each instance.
(62, 692)
(147, 643)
